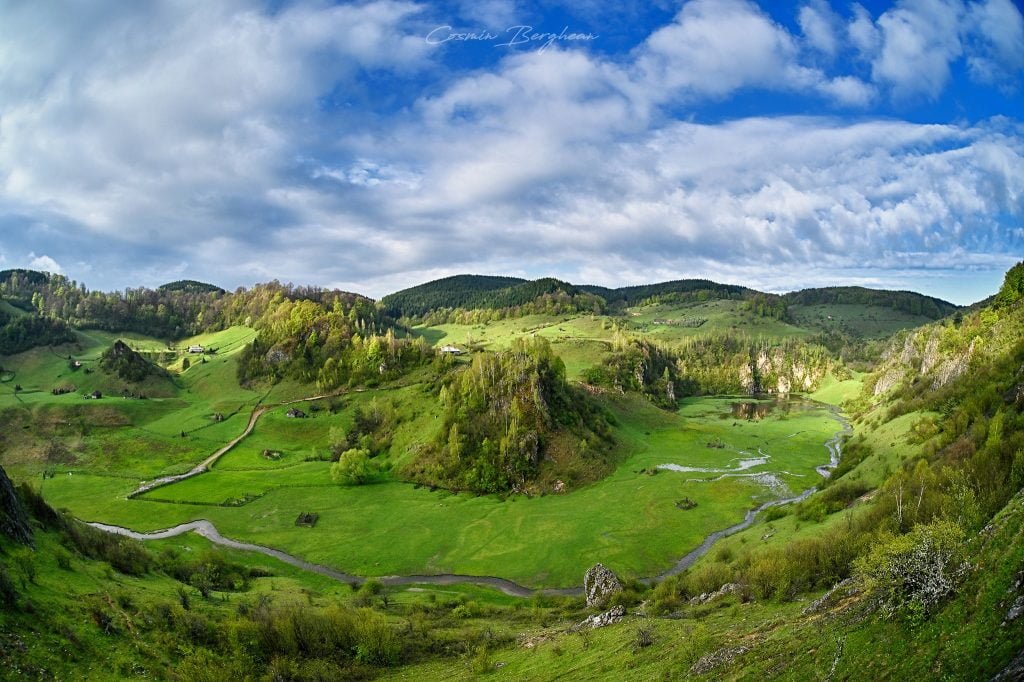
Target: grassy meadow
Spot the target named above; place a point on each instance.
(630, 520)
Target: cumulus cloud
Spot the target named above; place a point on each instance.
(919, 40)
(158, 130)
(44, 263)
(714, 48)
(913, 46)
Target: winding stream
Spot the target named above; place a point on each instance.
(207, 530)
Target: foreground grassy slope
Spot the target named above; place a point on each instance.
(968, 638)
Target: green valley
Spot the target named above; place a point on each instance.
(417, 486)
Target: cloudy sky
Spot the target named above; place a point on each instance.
(376, 145)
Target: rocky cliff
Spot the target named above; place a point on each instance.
(13, 519)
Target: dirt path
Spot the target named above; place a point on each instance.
(205, 465)
(209, 531)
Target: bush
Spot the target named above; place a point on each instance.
(912, 573)
(643, 639)
(707, 578)
(377, 642)
(353, 467)
(768, 575)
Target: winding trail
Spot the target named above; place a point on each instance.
(206, 529)
(205, 465)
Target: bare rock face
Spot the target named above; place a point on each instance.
(748, 381)
(888, 381)
(599, 584)
(277, 355)
(931, 353)
(909, 351)
(954, 367)
(13, 520)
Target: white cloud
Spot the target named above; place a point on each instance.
(714, 48)
(155, 128)
(493, 15)
(919, 40)
(996, 30)
(863, 33)
(44, 263)
(820, 26)
(913, 46)
(848, 90)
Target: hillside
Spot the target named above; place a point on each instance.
(508, 418)
(678, 290)
(450, 292)
(192, 286)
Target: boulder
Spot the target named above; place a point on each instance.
(600, 583)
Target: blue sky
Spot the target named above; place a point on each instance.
(376, 145)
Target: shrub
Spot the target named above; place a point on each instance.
(912, 573)
(644, 638)
(353, 467)
(377, 642)
(768, 575)
(707, 578)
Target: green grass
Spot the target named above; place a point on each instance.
(724, 316)
(501, 333)
(889, 445)
(864, 321)
(835, 392)
(965, 640)
(628, 520)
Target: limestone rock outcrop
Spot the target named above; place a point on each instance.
(599, 584)
(600, 620)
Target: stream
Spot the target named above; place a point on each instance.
(207, 530)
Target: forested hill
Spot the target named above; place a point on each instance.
(479, 292)
(458, 291)
(178, 309)
(680, 289)
(906, 301)
(476, 292)
(191, 285)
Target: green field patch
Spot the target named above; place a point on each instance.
(237, 487)
(836, 392)
(887, 447)
(673, 322)
(865, 321)
(501, 333)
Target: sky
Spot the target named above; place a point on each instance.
(371, 146)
